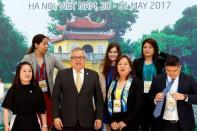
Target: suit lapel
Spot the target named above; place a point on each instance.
(140, 68)
(163, 83)
(180, 84)
(84, 80)
(71, 76)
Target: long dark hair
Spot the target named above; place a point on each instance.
(153, 43)
(116, 66)
(106, 61)
(17, 81)
(37, 39)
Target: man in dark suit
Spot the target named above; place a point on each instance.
(176, 112)
(77, 97)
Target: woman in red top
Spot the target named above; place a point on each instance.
(43, 64)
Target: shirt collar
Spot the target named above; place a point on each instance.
(81, 71)
(169, 78)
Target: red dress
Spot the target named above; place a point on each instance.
(41, 75)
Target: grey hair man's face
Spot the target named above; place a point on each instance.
(78, 60)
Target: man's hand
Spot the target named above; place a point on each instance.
(58, 123)
(97, 124)
(115, 125)
(159, 97)
(178, 96)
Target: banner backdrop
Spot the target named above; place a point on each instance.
(92, 24)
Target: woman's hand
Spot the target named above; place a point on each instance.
(44, 129)
(97, 124)
(7, 127)
(6, 113)
(122, 125)
(114, 125)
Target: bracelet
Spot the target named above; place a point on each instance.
(44, 126)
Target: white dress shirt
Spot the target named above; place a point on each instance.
(170, 110)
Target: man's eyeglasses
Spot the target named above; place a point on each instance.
(77, 57)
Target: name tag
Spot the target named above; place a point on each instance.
(43, 85)
(170, 104)
(117, 106)
(147, 85)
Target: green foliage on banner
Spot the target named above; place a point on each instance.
(1, 127)
(118, 20)
(12, 47)
(168, 30)
(126, 46)
(187, 27)
(179, 40)
(171, 44)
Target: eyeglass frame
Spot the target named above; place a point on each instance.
(77, 57)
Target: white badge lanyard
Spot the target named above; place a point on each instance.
(147, 84)
(118, 103)
(145, 73)
(42, 83)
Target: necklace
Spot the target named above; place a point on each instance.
(121, 83)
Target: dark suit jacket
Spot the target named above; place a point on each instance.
(73, 107)
(186, 85)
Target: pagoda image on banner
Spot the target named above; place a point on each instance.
(85, 33)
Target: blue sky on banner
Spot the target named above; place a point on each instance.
(153, 14)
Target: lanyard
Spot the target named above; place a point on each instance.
(38, 68)
(145, 71)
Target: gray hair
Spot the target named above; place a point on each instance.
(77, 49)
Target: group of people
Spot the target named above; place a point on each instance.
(149, 94)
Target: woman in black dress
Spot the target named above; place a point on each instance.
(150, 64)
(106, 75)
(25, 100)
(124, 98)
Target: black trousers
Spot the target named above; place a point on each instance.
(77, 128)
(128, 129)
(170, 126)
(147, 122)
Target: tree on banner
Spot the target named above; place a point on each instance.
(12, 47)
(187, 27)
(118, 20)
(171, 44)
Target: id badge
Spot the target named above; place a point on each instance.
(170, 106)
(147, 85)
(43, 85)
(117, 106)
